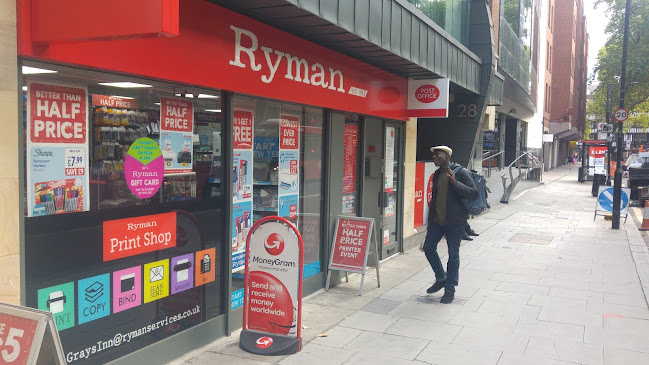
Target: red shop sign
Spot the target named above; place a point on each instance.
(351, 243)
(351, 246)
(138, 235)
(57, 114)
(235, 53)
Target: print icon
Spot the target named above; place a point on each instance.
(56, 302)
(94, 292)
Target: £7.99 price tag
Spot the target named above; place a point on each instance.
(16, 338)
(74, 161)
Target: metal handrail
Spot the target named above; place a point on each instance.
(517, 162)
(489, 164)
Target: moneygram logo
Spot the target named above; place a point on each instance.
(274, 244)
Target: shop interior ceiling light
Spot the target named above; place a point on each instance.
(207, 96)
(213, 110)
(34, 70)
(189, 95)
(123, 97)
(126, 85)
(24, 88)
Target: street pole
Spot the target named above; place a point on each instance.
(617, 182)
(609, 145)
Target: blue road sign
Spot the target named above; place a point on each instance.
(605, 199)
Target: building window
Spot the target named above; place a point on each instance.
(124, 204)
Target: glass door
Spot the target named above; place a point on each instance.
(392, 167)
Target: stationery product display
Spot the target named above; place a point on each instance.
(60, 196)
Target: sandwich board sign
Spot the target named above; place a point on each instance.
(272, 301)
(351, 247)
(28, 336)
(605, 201)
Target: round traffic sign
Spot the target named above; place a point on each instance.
(621, 115)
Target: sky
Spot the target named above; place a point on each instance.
(596, 21)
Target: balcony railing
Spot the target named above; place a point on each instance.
(514, 58)
(451, 15)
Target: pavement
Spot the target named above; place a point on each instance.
(543, 284)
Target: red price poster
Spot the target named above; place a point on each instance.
(420, 188)
(350, 244)
(113, 101)
(16, 338)
(351, 152)
(289, 132)
(242, 129)
(57, 149)
(176, 134)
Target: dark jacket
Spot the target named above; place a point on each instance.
(464, 187)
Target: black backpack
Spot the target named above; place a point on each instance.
(479, 205)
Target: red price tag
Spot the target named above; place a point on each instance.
(293, 167)
(79, 171)
(16, 337)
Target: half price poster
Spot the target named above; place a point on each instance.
(176, 134)
(57, 149)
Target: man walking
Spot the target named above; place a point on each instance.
(447, 217)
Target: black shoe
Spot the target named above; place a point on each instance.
(447, 298)
(436, 287)
(466, 237)
(470, 232)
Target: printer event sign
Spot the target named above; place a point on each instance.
(57, 149)
(176, 134)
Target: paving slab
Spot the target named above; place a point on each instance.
(543, 284)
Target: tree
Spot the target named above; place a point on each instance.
(609, 62)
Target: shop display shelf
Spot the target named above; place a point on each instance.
(266, 183)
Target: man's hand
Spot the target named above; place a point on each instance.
(451, 176)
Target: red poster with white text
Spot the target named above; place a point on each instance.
(242, 129)
(176, 134)
(289, 132)
(57, 149)
(16, 338)
(420, 188)
(134, 236)
(351, 244)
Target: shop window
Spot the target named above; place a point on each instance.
(277, 171)
(351, 147)
(124, 208)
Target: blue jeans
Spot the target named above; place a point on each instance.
(453, 233)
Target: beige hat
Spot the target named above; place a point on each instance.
(446, 149)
